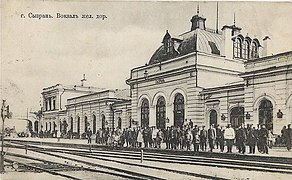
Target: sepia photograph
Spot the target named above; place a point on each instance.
(177, 90)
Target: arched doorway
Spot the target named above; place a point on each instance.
(266, 113)
(213, 117)
(145, 113)
(160, 113)
(78, 125)
(179, 112)
(103, 121)
(237, 116)
(36, 126)
(119, 123)
(86, 123)
(94, 124)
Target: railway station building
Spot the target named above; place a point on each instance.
(208, 76)
(212, 77)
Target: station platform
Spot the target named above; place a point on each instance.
(273, 152)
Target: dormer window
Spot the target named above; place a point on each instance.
(169, 46)
(237, 48)
(254, 50)
(245, 50)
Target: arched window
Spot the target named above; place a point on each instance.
(78, 125)
(71, 123)
(237, 48)
(145, 113)
(103, 121)
(160, 113)
(54, 126)
(245, 50)
(254, 50)
(213, 117)
(266, 113)
(46, 126)
(237, 116)
(36, 126)
(94, 124)
(50, 126)
(60, 126)
(179, 110)
(119, 123)
(86, 123)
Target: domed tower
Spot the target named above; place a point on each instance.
(198, 22)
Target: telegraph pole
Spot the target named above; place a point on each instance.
(4, 113)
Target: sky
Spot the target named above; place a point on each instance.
(40, 53)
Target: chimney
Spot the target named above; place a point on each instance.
(227, 43)
(265, 46)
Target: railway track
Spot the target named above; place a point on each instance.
(119, 156)
(63, 153)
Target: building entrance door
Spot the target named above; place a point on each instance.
(160, 113)
(179, 112)
(266, 114)
(213, 117)
(237, 116)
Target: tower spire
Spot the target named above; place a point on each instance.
(234, 18)
(198, 8)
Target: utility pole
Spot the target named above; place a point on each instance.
(4, 113)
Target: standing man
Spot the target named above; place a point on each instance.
(89, 133)
(263, 139)
(252, 139)
(203, 138)
(211, 137)
(241, 139)
(288, 138)
(229, 136)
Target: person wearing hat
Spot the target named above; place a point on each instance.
(288, 137)
(229, 136)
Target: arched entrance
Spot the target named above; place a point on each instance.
(103, 122)
(266, 113)
(237, 116)
(36, 126)
(78, 125)
(213, 117)
(160, 113)
(119, 123)
(179, 112)
(94, 124)
(145, 113)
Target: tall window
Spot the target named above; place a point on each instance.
(160, 113)
(245, 50)
(213, 117)
(78, 125)
(50, 104)
(266, 113)
(237, 116)
(50, 125)
(85, 124)
(119, 123)
(179, 110)
(94, 124)
(46, 126)
(54, 104)
(237, 48)
(71, 123)
(254, 50)
(103, 121)
(169, 45)
(145, 113)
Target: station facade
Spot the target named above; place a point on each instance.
(203, 75)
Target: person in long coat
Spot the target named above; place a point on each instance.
(211, 137)
(252, 139)
(139, 138)
(288, 137)
(263, 139)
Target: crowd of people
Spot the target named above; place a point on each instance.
(189, 137)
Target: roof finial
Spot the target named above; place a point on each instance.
(198, 9)
(234, 18)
